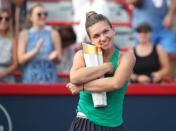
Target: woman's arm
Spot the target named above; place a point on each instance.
(165, 65)
(122, 74)
(80, 74)
(14, 64)
(169, 17)
(56, 54)
(24, 56)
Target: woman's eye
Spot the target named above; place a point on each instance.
(105, 31)
(96, 36)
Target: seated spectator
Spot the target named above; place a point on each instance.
(159, 15)
(152, 62)
(8, 57)
(68, 38)
(39, 48)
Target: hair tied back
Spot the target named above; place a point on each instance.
(90, 13)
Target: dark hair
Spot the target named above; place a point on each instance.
(138, 3)
(93, 18)
(68, 36)
(144, 27)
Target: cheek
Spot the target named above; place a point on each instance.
(112, 35)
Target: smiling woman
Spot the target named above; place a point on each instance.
(39, 48)
(152, 62)
(116, 68)
(8, 57)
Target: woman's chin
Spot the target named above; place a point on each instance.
(106, 47)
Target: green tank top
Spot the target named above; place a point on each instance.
(111, 115)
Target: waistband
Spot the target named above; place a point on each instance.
(81, 115)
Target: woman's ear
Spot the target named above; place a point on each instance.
(113, 29)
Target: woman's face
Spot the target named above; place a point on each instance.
(102, 35)
(4, 21)
(38, 16)
(144, 36)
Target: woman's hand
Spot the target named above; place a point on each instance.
(75, 89)
(110, 68)
(168, 21)
(143, 79)
(156, 77)
(39, 45)
(53, 55)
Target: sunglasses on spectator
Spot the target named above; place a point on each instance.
(143, 31)
(40, 14)
(5, 18)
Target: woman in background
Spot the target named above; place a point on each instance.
(39, 48)
(8, 53)
(152, 63)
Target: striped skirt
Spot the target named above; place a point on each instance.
(83, 124)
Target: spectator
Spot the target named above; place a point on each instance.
(152, 62)
(19, 12)
(159, 15)
(68, 38)
(100, 6)
(39, 48)
(8, 56)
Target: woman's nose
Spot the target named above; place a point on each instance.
(102, 37)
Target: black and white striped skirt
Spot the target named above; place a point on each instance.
(83, 124)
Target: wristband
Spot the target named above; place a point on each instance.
(83, 87)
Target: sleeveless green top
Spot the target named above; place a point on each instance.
(110, 115)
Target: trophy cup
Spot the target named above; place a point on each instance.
(93, 56)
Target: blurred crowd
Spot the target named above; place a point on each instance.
(39, 52)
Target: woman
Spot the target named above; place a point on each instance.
(8, 56)
(117, 69)
(152, 62)
(39, 48)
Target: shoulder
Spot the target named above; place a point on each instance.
(54, 32)
(160, 50)
(79, 54)
(159, 47)
(127, 55)
(23, 34)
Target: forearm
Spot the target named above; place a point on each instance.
(122, 74)
(87, 74)
(172, 9)
(101, 85)
(107, 84)
(27, 56)
(164, 72)
(8, 70)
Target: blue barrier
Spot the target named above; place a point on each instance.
(54, 112)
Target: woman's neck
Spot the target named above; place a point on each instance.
(146, 44)
(38, 27)
(107, 54)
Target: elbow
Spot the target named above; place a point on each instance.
(116, 85)
(21, 61)
(75, 80)
(15, 65)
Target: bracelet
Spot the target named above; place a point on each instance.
(83, 87)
